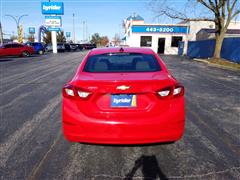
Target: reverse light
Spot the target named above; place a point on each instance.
(164, 93)
(83, 94)
(178, 91)
(69, 92)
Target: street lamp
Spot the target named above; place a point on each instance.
(17, 20)
(1, 34)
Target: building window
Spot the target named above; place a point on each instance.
(146, 41)
(176, 40)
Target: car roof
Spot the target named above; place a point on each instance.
(98, 51)
(13, 43)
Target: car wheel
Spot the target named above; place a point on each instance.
(25, 54)
(40, 52)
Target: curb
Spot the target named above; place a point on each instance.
(216, 65)
(201, 60)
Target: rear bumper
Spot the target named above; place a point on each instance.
(167, 127)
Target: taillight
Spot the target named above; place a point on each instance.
(165, 92)
(178, 91)
(174, 91)
(70, 91)
(83, 94)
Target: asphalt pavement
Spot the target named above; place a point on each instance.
(32, 145)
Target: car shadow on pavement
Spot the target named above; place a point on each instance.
(129, 145)
(5, 59)
(150, 168)
(12, 58)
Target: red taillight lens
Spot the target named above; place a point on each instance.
(70, 91)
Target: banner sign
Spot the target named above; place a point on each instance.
(53, 21)
(31, 30)
(53, 29)
(52, 8)
(160, 29)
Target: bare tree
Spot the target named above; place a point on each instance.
(116, 39)
(96, 39)
(31, 38)
(60, 37)
(222, 12)
(104, 41)
(47, 38)
(99, 40)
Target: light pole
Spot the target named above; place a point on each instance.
(1, 34)
(17, 20)
(74, 37)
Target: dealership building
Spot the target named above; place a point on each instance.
(164, 38)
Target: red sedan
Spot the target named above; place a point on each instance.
(15, 49)
(123, 96)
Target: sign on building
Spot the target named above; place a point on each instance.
(160, 29)
(56, 8)
(55, 21)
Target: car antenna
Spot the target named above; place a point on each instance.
(121, 49)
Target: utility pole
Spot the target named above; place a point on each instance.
(86, 31)
(1, 34)
(54, 39)
(83, 26)
(74, 37)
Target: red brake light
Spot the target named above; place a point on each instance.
(70, 91)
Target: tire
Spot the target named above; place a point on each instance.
(25, 54)
(41, 52)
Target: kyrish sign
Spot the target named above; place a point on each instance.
(56, 8)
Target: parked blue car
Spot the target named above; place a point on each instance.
(38, 47)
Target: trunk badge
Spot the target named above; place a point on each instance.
(123, 87)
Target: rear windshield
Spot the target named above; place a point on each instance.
(122, 62)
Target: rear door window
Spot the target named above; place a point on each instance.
(122, 62)
(16, 46)
(8, 46)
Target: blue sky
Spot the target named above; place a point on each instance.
(103, 16)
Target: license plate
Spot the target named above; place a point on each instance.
(123, 100)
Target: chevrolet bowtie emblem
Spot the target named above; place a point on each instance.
(123, 87)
